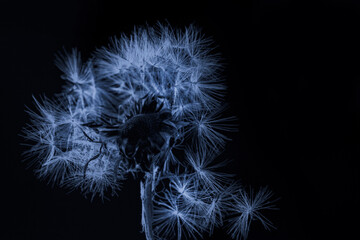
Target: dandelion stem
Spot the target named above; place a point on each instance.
(147, 206)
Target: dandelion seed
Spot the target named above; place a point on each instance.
(247, 207)
(206, 172)
(171, 214)
(207, 128)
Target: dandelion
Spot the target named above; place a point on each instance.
(149, 105)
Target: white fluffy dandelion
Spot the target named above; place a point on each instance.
(148, 105)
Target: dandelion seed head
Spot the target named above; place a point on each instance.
(148, 104)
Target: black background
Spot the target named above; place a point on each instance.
(292, 68)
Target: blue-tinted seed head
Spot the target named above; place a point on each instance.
(149, 105)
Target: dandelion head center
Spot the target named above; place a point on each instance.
(144, 133)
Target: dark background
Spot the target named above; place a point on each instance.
(292, 68)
